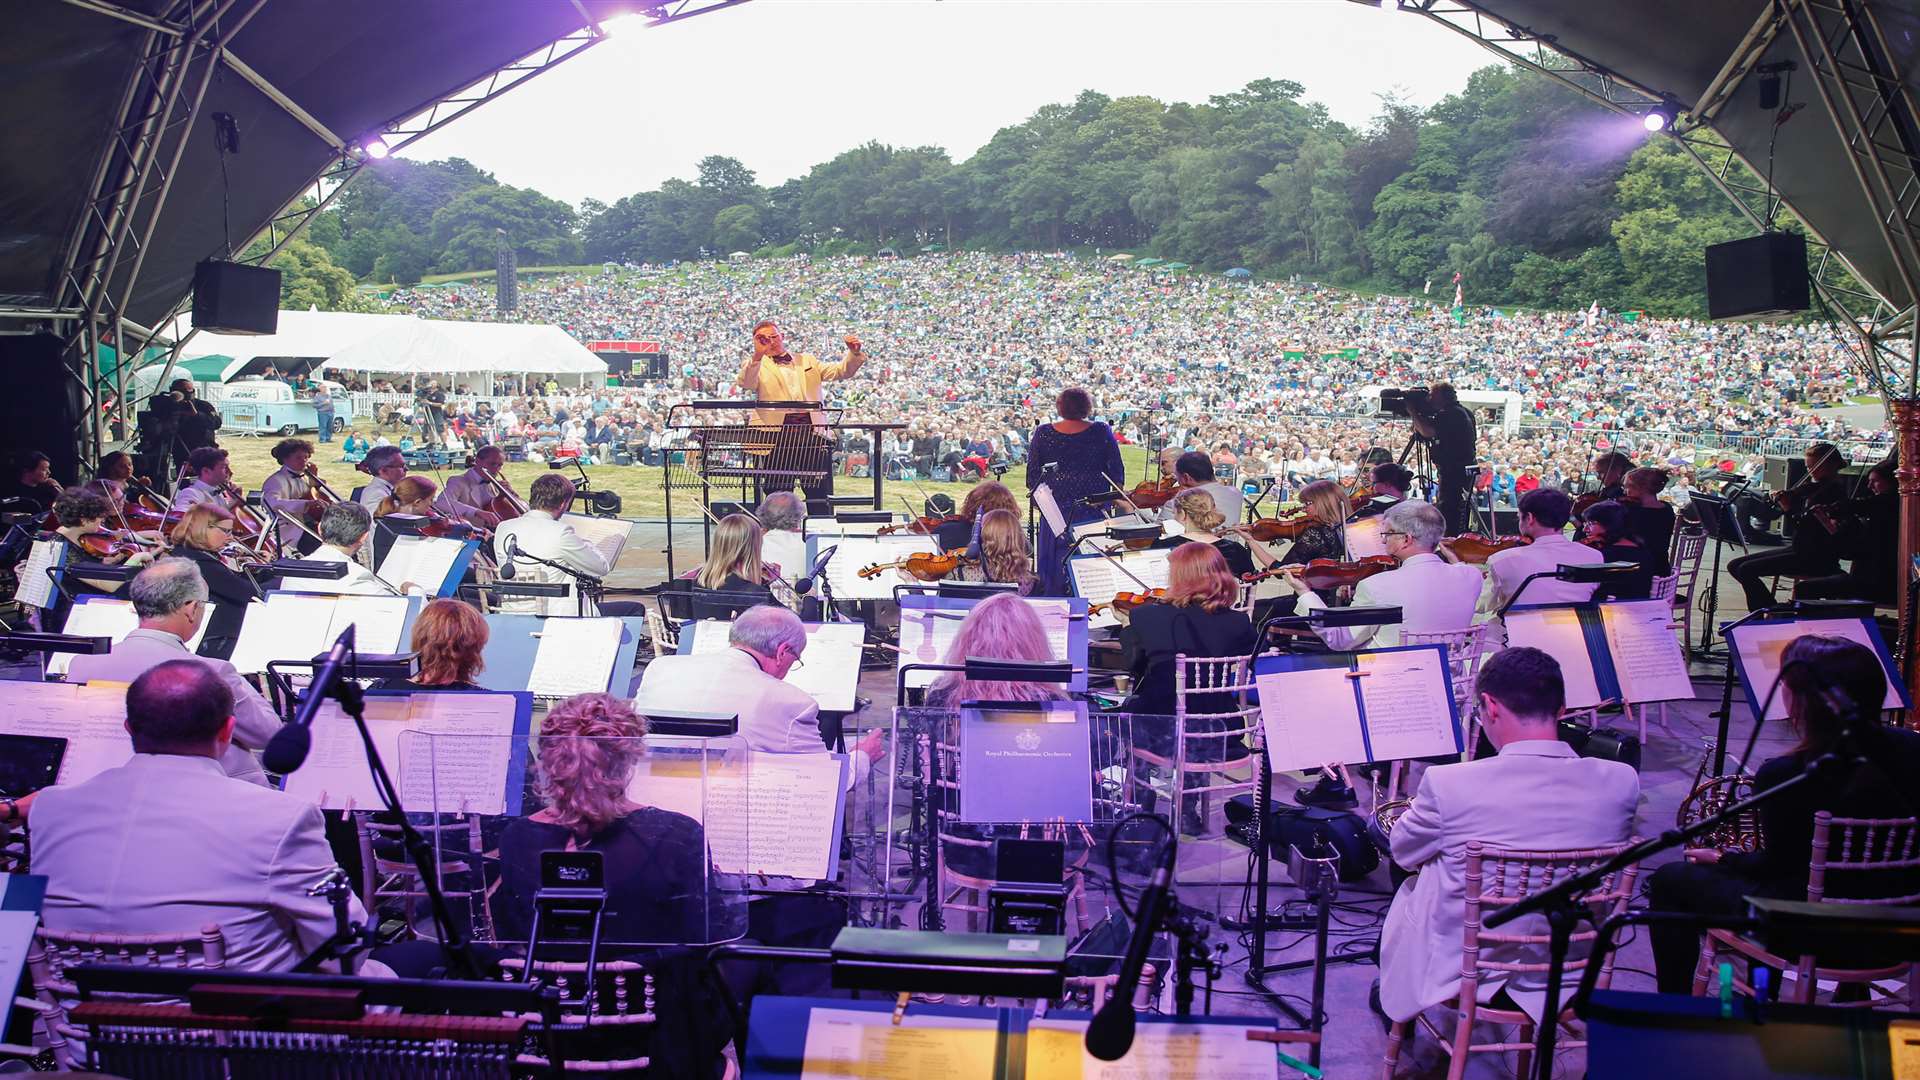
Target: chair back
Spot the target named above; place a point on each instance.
(1665, 588)
(1689, 544)
(1498, 878)
(54, 952)
(665, 635)
(1243, 598)
(1211, 704)
(623, 993)
(1870, 856)
(387, 872)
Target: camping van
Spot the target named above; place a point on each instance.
(262, 406)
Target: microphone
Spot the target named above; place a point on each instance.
(506, 566)
(287, 750)
(1110, 1035)
(805, 585)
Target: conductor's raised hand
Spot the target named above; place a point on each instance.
(853, 344)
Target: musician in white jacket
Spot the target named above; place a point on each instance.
(1536, 795)
(539, 534)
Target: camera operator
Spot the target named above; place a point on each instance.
(1448, 428)
(175, 425)
(435, 400)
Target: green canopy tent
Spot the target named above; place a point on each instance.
(1148, 262)
(1176, 266)
(1122, 257)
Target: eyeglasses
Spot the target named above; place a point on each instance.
(1384, 533)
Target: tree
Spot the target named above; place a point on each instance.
(736, 227)
(467, 230)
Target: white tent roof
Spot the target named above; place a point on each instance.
(433, 346)
(301, 333)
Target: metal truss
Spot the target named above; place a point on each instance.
(1842, 293)
(136, 171)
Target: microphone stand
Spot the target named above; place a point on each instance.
(586, 586)
(460, 960)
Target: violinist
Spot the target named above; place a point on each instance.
(83, 517)
(1193, 470)
(981, 497)
(1075, 458)
(1610, 472)
(1610, 530)
(205, 537)
(783, 517)
(543, 533)
(1812, 553)
(1003, 553)
(1391, 483)
(468, 494)
(110, 481)
(290, 492)
(212, 485)
(1543, 520)
(1431, 594)
(733, 578)
(32, 478)
(1197, 619)
(1201, 522)
(1323, 537)
(413, 495)
(1866, 530)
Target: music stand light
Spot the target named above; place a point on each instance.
(305, 568)
(33, 642)
(1579, 573)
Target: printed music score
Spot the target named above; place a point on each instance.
(90, 716)
(1377, 705)
(608, 536)
(1098, 581)
(576, 656)
(434, 563)
(773, 814)
(449, 753)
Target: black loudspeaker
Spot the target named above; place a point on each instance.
(234, 298)
(42, 408)
(1784, 470)
(1758, 277)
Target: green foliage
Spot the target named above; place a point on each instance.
(1536, 196)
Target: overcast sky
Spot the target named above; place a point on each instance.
(785, 84)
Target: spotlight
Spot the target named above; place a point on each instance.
(1661, 117)
(624, 23)
(374, 147)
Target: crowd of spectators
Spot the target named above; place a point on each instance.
(1269, 378)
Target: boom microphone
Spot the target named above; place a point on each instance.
(287, 750)
(512, 548)
(805, 585)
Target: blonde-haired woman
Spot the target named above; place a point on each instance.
(734, 578)
(1200, 521)
(658, 873)
(1003, 627)
(1003, 553)
(1324, 537)
(202, 534)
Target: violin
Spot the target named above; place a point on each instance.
(1286, 527)
(110, 544)
(1127, 601)
(1474, 548)
(921, 526)
(924, 565)
(1322, 575)
(1360, 498)
(1148, 494)
(1587, 502)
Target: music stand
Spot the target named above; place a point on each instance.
(1721, 525)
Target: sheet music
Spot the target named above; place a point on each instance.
(287, 626)
(426, 561)
(833, 527)
(378, 622)
(35, 588)
(1762, 643)
(1310, 718)
(829, 670)
(1408, 703)
(456, 752)
(858, 552)
(1099, 581)
(1557, 632)
(1646, 655)
(1161, 1051)
(850, 1044)
(608, 536)
(1364, 539)
(413, 733)
(1049, 507)
(114, 620)
(763, 813)
(575, 656)
(91, 717)
(927, 632)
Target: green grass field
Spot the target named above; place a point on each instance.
(639, 486)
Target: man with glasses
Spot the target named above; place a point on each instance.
(773, 373)
(388, 466)
(748, 679)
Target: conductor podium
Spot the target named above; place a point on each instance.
(719, 453)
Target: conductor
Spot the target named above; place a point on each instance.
(773, 374)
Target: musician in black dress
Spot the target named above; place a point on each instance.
(1648, 517)
(1201, 519)
(1391, 484)
(1866, 530)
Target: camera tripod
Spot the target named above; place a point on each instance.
(1416, 458)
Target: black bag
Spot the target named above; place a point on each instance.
(1290, 826)
(1602, 743)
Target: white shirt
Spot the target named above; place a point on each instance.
(375, 493)
(1227, 500)
(359, 581)
(539, 533)
(254, 721)
(1433, 596)
(1537, 795)
(776, 717)
(198, 492)
(288, 492)
(1508, 569)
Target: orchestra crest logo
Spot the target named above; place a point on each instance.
(1028, 740)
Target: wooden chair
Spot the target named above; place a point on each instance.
(965, 892)
(1855, 846)
(664, 635)
(53, 952)
(1203, 742)
(1496, 879)
(462, 868)
(1465, 649)
(622, 1011)
(1689, 545)
(1243, 597)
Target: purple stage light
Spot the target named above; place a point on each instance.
(374, 147)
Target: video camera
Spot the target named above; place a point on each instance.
(1407, 403)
